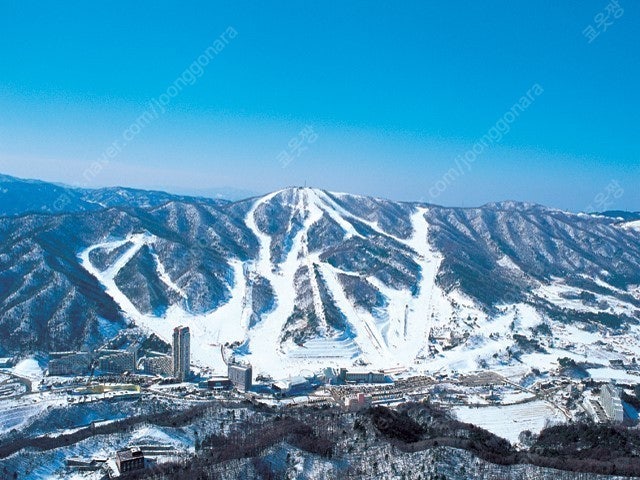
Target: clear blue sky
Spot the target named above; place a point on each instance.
(395, 92)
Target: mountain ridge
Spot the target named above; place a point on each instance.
(303, 278)
(169, 195)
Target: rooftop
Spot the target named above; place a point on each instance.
(129, 454)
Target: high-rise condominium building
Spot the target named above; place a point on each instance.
(181, 352)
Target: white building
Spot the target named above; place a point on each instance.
(157, 364)
(116, 361)
(292, 386)
(611, 403)
(69, 363)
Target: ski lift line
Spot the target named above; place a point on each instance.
(224, 359)
(247, 298)
(406, 316)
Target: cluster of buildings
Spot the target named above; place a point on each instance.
(126, 360)
(104, 360)
(344, 376)
(239, 376)
(358, 402)
(299, 385)
(177, 365)
(125, 462)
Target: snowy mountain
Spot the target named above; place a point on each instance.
(303, 278)
(18, 196)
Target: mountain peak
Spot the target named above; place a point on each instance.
(303, 277)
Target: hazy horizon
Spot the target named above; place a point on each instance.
(232, 194)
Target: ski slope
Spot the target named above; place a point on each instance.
(423, 329)
(207, 331)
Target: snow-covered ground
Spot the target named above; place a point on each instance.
(424, 331)
(18, 413)
(392, 340)
(509, 421)
(557, 293)
(15, 416)
(207, 331)
(608, 374)
(29, 368)
(634, 225)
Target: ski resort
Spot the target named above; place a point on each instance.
(320, 240)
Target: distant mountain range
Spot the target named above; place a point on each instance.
(621, 214)
(303, 277)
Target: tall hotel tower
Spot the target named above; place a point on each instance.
(181, 352)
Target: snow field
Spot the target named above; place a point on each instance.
(509, 421)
